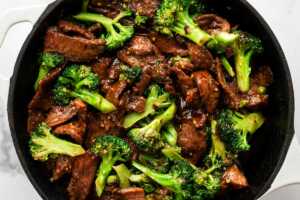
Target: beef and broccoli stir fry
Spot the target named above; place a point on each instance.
(147, 100)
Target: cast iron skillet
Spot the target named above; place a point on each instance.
(268, 152)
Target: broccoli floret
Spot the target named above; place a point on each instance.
(111, 149)
(80, 82)
(169, 134)
(131, 74)
(244, 48)
(123, 175)
(236, 127)
(148, 138)
(220, 40)
(43, 144)
(47, 61)
(116, 33)
(173, 16)
(178, 180)
(140, 20)
(157, 98)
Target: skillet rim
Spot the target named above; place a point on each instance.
(289, 121)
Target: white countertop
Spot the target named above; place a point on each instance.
(281, 15)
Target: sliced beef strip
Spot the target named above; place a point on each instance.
(185, 64)
(109, 8)
(136, 104)
(200, 56)
(212, 23)
(140, 52)
(208, 88)
(74, 29)
(140, 87)
(41, 102)
(101, 65)
(82, 178)
(76, 49)
(115, 91)
(61, 114)
(235, 178)
(115, 70)
(192, 141)
(75, 130)
(63, 165)
(133, 193)
(262, 77)
(144, 7)
(199, 119)
(168, 45)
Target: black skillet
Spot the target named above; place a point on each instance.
(261, 165)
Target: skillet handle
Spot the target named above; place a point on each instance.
(17, 15)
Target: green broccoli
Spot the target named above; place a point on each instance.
(123, 175)
(157, 98)
(111, 149)
(80, 82)
(131, 74)
(47, 62)
(227, 66)
(236, 127)
(244, 48)
(116, 33)
(44, 144)
(174, 16)
(148, 138)
(160, 164)
(220, 40)
(169, 134)
(179, 179)
(140, 20)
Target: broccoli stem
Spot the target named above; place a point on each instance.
(123, 175)
(103, 172)
(186, 27)
(94, 99)
(227, 66)
(42, 74)
(243, 70)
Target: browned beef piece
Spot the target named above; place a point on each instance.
(168, 45)
(140, 87)
(115, 91)
(208, 88)
(144, 7)
(192, 141)
(74, 29)
(185, 81)
(109, 8)
(63, 165)
(95, 28)
(235, 178)
(83, 174)
(199, 119)
(101, 66)
(100, 124)
(140, 52)
(212, 23)
(133, 193)
(192, 96)
(75, 49)
(41, 102)
(61, 114)
(115, 70)
(136, 104)
(200, 56)
(184, 63)
(74, 129)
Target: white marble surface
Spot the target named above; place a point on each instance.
(282, 16)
